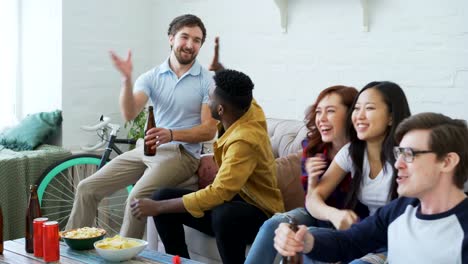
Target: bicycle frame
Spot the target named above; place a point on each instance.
(112, 146)
(111, 138)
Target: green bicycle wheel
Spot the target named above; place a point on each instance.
(57, 187)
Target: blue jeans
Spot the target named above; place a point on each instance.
(262, 250)
(379, 257)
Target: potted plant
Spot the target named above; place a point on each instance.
(137, 126)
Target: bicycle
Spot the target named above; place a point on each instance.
(58, 183)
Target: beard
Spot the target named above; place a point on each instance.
(180, 57)
(215, 115)
(214, 111)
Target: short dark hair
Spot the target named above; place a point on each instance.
(447, 135)
(186, 20)
(234, 87)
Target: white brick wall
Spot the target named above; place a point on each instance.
(421, 45)
(41, 62)
(91, 85)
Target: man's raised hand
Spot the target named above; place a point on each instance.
(215, 64)
(125, 67)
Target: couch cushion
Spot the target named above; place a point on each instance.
(286, 135)
(288, 174)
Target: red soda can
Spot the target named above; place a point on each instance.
(37, 234)
(50, 241)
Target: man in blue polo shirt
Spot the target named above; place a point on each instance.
(178, 90)
(427, 224)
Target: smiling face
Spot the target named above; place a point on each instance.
(186, 44)
(371, 117)
(421, 176)
(330, 117)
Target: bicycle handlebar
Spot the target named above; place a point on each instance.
(98, 126)
(107, 129)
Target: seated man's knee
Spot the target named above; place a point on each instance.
(221, 219)
(84, 188)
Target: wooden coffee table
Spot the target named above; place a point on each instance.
(14, 253)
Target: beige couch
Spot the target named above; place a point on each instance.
(286, 137)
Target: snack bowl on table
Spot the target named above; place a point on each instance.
(119, 248)
(82, 238)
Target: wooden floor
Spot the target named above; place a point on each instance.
(14, 253)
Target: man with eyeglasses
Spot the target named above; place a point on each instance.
(427, 224)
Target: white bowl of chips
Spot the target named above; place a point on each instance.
(119, 248)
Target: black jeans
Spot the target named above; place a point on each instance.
(234, 224)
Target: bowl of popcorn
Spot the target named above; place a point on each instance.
(119, 248)
(82, 238)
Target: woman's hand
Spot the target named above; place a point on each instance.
(315, 167)
(343, 219)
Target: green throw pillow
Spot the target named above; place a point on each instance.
(32, 131)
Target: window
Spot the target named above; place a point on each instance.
(9, 54)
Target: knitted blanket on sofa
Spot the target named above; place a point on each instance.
(19, 169)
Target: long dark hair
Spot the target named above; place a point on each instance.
(398, 108)
(347, 95)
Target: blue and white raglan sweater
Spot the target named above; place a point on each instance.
(412, 237)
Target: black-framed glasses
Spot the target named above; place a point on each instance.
(408, 153)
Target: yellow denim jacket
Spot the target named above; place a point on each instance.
(246, 167)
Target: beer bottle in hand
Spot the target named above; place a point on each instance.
(296, 259)
(150, 123)
(33, 211)
(1, 231)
